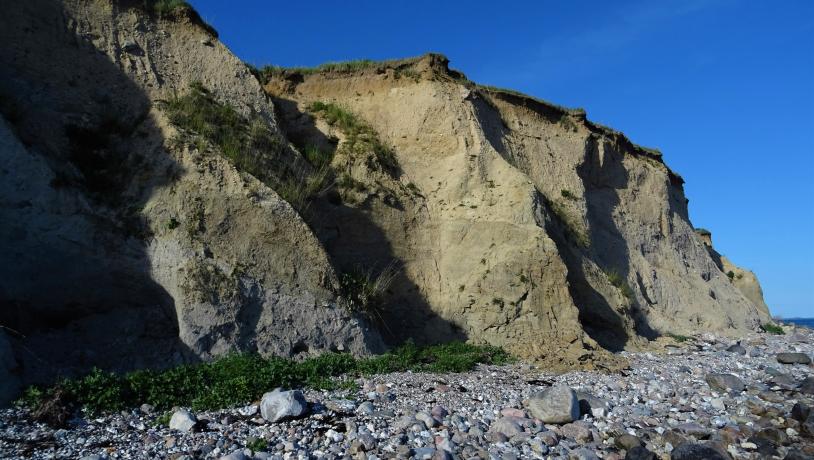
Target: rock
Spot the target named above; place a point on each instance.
(439, 412)
(807, 426)
(795, 454)
(627, 441)
(582, 454)
(147, 409)
(366, 408)
(800, 412)
(774, 435)
(793, 358)
(690, 451)
(341, 406)
(183, 420)
(640, 453)
(722, 382)
(577, 431)
(279, 405)
(807, 386)
(506, 426)
(737, 348)
(426, 418)
(695, 430)
(236, 455)
(95, 457)
(513, 412)
(557, 404)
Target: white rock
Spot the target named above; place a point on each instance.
(278, 405)
(182, 420)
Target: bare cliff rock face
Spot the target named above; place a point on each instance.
(128, 242)
(123, 248)
(515, 222)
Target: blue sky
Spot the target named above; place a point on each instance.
(724, 88)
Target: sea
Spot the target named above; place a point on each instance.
(807, 322)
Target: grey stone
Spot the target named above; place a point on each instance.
(722, 382)
(236, 455)
(627, 441)
(183, 420)
(557, 404)
(737, 348)
(807, 386)
(507, 426)
(640, 453)
(793, 358)
(691, 451)
(279, 405)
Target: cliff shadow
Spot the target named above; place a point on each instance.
(603, 173)
(359, 245)
(76, 290)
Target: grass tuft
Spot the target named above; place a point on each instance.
(361, 140)
(238, 379)
(619, 282)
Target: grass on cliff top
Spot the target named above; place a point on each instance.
(239, 379)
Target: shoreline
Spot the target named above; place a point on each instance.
(662, 401)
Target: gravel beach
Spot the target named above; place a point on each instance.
(706, 397)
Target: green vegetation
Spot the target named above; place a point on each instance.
(679, 338)
(364, 291)
(238, 379)
(176, 8)
(173, 223)
(619, 282)
(571, 227)
(731, 275)
(568, 195)
(360, 138)
(250, 145)
(773, 329)
(257, 445)
(267, 72)
(165, 7)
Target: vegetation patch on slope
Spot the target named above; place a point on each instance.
(360, 139)
(248, 143)
(243, 378)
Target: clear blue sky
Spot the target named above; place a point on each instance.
(724, 88)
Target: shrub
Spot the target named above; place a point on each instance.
(679, 338)
(364, 291)
(619, 282)
(731, 275)
(773, 329)
(568, 195)
(360, 138)
(237, 379)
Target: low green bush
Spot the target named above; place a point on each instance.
(619, 282)
(241, 378)
(773, 329)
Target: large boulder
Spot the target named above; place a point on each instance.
(793, 358)
(280, 405)
(558, 404)
(724, 382)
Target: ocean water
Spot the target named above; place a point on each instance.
(807, 322)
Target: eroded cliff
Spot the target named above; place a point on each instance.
(130, 241)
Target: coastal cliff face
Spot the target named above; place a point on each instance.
(122, 245)
(516, 222)
(129, 242)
